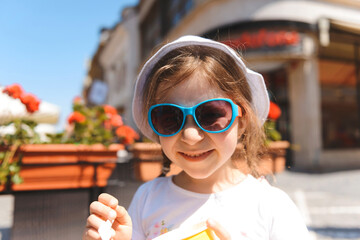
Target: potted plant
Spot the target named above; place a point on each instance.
(23, 133)
(148, 156)
(274, 160)
(82, 156)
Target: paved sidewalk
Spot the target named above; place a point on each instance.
(329, 202)
(6, 215)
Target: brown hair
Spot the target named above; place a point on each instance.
(222, 71)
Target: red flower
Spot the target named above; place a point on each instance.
(274, 112)
(127, 133)
(30, 101)
(14, 90)
(109, 110)
(116, 121)
(77, 100)
(76, 117)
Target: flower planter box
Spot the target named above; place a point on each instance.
(148, 160)
(272, 162)
(65, 166)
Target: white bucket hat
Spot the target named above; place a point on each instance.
(260, 98)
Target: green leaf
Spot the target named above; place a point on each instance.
(17, 179)
(14, 168)
(4, 172)
(275, 135)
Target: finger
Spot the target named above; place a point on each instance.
(122, 224)
(218, 229)
(103, 211)
(93, 221)
(123, 217)
(108, 200)
(91, 234)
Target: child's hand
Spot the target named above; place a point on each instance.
(220, 232)
(106, 208)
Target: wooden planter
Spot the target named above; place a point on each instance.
(148, 160)
(272, 162)
(65, 166)
(275, 159)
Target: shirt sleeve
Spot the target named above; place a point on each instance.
(287, 221)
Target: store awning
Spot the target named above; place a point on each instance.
(348, 27)
(348, 30)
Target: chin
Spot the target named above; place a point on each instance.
(199, 175)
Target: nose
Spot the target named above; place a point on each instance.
(191, 133)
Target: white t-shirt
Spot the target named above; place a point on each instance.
(251, 210)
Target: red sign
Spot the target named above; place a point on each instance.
(264, 38)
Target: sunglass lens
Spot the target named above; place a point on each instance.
(166, 120)
(214, 115)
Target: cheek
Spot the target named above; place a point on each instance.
(233, 138)
(229, 139)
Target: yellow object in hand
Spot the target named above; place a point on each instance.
(204, 235)
(195, 232)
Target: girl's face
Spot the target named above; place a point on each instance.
(200, 154)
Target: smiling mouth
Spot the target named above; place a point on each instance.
(197, 156)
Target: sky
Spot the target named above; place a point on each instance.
(45, 45)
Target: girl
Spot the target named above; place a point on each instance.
(197, 99)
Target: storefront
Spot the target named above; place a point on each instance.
(340, 81)
(312, 73)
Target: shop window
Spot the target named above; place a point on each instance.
(340, 116)
(276, 83)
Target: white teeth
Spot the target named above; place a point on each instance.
(194, 155)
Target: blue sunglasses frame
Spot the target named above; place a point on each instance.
(236, 112)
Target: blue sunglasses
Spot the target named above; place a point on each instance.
(213, 116)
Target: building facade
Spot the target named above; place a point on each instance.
(308, 52)
(114, 66)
